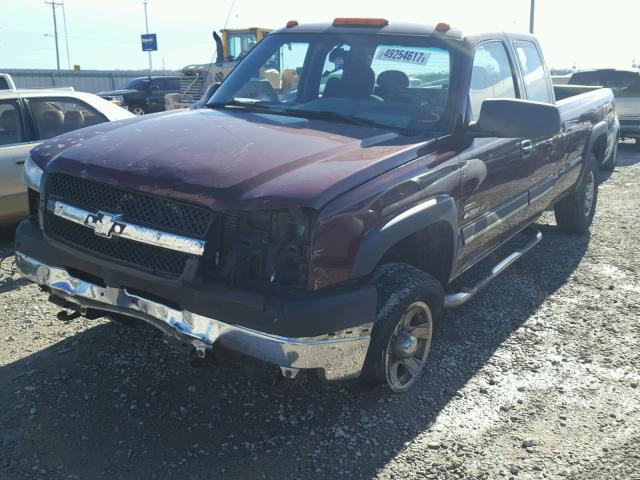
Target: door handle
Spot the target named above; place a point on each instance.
(20, 162)
(526, 149)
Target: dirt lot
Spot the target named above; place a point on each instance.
(536, 378)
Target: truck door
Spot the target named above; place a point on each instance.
(495, 170)
(542, 153)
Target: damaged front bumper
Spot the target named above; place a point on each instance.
(338, 355)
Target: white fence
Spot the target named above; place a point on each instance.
(91, 81)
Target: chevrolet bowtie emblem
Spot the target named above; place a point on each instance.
(104, 224)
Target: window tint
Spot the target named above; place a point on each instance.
(136, 84)
(172, 83)
(585, 78)
(535, 76)
(4, 85)
(55, 116)
(491, 77)
(10, 123)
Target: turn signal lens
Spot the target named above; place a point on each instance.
(443, 27)
(292, 23)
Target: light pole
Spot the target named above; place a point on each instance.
(146, 23)
(532, 16)
(66, 36)
(55, 29)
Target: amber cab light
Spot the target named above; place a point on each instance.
(443, 27)
(360, 22)
(292, 23)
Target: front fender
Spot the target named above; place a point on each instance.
(436, 210)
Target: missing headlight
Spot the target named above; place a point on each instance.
(270, 246)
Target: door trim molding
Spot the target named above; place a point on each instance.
(495, 217)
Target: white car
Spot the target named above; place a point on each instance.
(28, 117)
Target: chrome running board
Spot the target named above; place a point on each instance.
(457, 299)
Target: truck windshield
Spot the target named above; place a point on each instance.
(394, 82)
(136, 84)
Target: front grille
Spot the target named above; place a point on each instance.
(144, 209)
(135, 207)
(154, 260)
(192, 87)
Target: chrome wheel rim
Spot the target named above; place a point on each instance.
(589, 193)
(408, 347)
(138, 111)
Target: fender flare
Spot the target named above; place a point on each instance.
(601, 128)
(380, 239)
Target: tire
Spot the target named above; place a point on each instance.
(137, 109)
(610, 163)
(574, 213)
(409, 301)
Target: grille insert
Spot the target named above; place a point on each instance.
(154, 260)
(145, 209)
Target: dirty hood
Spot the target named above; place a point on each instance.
(229, 159)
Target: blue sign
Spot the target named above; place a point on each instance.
(149, 42)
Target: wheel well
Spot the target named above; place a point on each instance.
(429, 249)
(599, 148)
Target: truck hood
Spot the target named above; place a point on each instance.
(225, 159)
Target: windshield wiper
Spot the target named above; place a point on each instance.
(315, 114)
(248, 105)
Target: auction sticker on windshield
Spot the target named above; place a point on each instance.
(403, 55)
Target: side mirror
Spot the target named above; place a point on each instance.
(507, 118)
(154, 88)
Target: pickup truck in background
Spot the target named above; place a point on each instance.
(625, 85)
(143, 95)
(319, 225)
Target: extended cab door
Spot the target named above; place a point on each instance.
(543, 153)
(495, 170)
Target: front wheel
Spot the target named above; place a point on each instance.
(137, 110)
(409, 301)
(574, 213)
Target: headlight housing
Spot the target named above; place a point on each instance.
(117, 99)
(32, 174)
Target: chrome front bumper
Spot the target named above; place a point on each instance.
(339, 355)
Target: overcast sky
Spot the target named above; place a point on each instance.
(105, 34)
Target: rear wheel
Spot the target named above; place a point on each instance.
(409, 301)
(574, 213)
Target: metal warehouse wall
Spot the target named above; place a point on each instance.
(91, 81)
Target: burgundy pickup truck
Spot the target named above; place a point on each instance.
(314, 213)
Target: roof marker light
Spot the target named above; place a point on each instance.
(443, 27)
(292, 23)
(360, 22)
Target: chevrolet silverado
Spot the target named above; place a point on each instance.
(319, 224)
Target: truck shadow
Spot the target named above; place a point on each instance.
(117, 402)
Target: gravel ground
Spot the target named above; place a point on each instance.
(535, 378)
